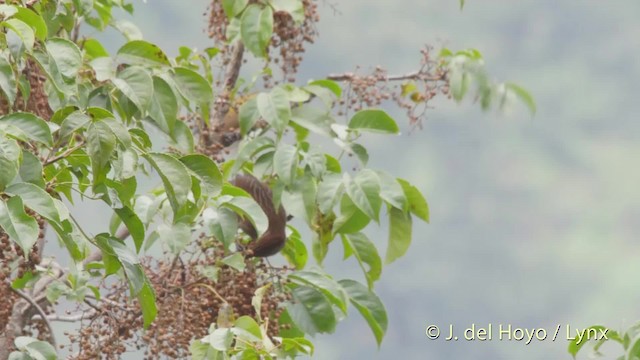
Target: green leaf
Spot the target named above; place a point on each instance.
(21, 228)
(369, 306)
(100, 146)
(164, 105)
(147, 300)
(38, 350)
(104, 68)
(285, 162)
(31, 125)
(323, 282)
(459, 81)
(175, 178)
(366, 254)
(31, 170)
(192, 86)
(312, 311)
(247, 207)
(24, 32)
(329, 84)
(329, 190)
(140, 52)
(182, 137)
(136, 84)
(73, 122)
(234, 7)
(235, 260)
(417, 204)
(133, 224)
(248, 114)
(66, 55)
(574, 346)
(275, 109)
(399, 234)
(36, 199)
(8, 83)
(128, 29)
(392, 192)
(314, 119)
(94, 49)
(176, 236)
(206, 171)
(523, 95)
(35, 21)
(364, 190)
(10, 155)
(222, 223)
(351, 219)
(256, 28)
(295, 250)
(376, 121)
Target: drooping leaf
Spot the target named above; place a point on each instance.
(133, 224)
(136, 84)
(21, 228)
(400, 227)
(323, 282)
(36, 199)
(175, 178)
(206, 171)
(364, 190)
(274, 108)
(285, 162)
(417, 203)
(365, 253)
(66, 55)
(8, 83)
(312, 311)
(369, 306)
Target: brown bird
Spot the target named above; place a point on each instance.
(272, 241)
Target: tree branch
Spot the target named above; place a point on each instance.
(41, 312)
(415, 75)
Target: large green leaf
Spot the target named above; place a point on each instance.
(222, 224)
(246, 206)
(21, 228)
(133, 224)
(400, 227)
(31, 170)
(329, 190)
(285, 162)
(364, 190)
(24, 32)
(275, 109)
(31, 125)
(323, 282)
(312, 311)
(35, 21)
(314, 119)
(140, 52)
(193, 86)
(206, 171)
(36, 199)
(136, 84)
(365, 253)
(100, 146)
(351, 219)
(175, 178)
(417, 203)
(66, 55)
(164, 105)
(256, 28)
(374, 121)
(369, 306)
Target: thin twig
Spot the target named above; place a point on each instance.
(64, 154)
(27, 298)
(348, 76)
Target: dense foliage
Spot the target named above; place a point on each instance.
(74, 126)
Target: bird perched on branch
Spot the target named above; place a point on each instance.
(272, 241)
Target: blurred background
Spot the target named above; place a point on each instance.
(533, 219)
